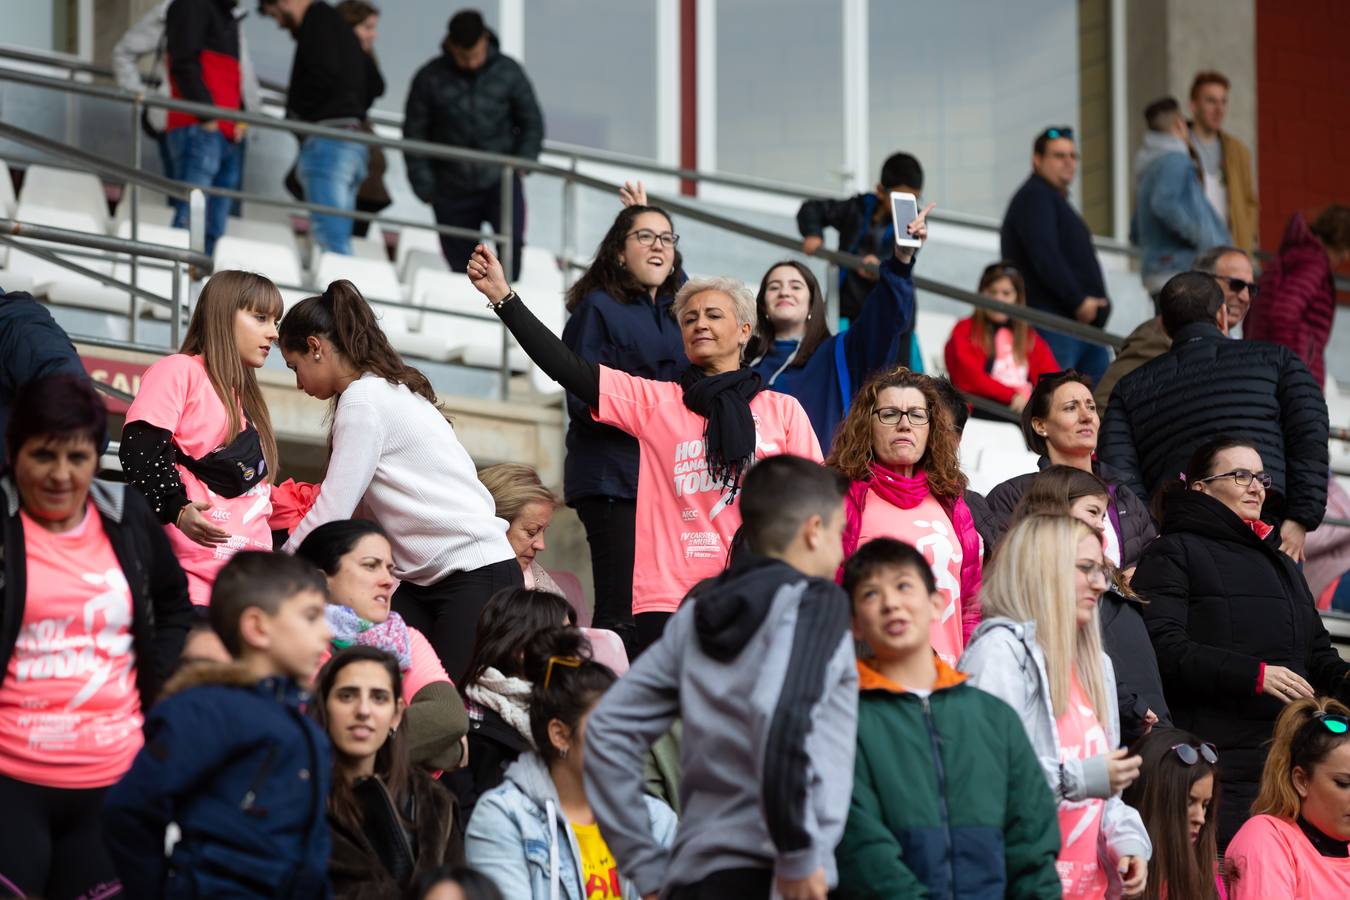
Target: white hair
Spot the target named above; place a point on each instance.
(742, 298)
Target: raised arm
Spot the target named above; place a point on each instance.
(547, 350)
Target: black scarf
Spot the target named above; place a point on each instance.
(729, 433)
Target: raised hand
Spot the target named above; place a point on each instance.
(916, 229)
(485, 271)
(633, 194)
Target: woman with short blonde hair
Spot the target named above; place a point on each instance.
(528, 507)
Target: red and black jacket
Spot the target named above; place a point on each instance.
(202, 49)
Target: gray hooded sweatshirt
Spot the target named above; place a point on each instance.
(760, 667)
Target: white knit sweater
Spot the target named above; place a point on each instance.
(397, 460)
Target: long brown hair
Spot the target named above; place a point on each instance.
(1162, 794)
(391, 760)
(210, 335)
(761, 342)
(344, 317)
(608, 275)
(981, 330)
(1301, 741)
(851, 453)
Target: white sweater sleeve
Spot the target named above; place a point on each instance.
(358, 441)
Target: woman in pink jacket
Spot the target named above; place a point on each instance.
(1296, 845)
(1298, 293)
(899, 446)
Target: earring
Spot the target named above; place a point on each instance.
(564, 752)
(316, 357)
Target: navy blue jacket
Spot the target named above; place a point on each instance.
(826, 384)
(1051, 246)
(245, 775)
(860, 235)
(641, 338)
(32, 346)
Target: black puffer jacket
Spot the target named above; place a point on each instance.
(1207, 386)
(1130, 513)
(1139, 687)
(1221, 602)
(492, 108)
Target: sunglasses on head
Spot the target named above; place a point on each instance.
(1333, 722)
(1190, 754)
(1055, 133)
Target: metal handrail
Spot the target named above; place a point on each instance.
(576, 152)
(105, 242)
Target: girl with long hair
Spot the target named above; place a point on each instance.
(496, 693)
(696, 438)
(899, 447)
(355, 558)
(1236, 631)
(621, 318)
(1297, 842)
(1040, 650)
(393, 452)
(198, 440)
(993, 356)
(1177, 795)
(792, 348)
(1066, 491)
(389, 820)
(542, 802)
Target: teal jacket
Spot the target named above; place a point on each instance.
(948, 798)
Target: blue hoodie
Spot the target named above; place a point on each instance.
(1173, 219)
(826, 384)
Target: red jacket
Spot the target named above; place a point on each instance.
(1297, 300)
(201, 45)
(968, 365)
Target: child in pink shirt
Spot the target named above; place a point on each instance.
(198, 440)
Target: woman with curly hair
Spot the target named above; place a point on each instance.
(899, 447)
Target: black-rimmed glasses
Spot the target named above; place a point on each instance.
(646, 237)
(1242, 477)
(889, 415)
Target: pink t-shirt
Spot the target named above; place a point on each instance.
(928, 529)
(1004, 367)
(1271, 859)
(426, 667)
(684, 520)
(177, 395)
(1081, 737)
(70, 714)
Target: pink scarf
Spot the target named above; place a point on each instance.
(908, 492)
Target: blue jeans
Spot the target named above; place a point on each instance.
(330, 172)
(1071, 353)
(207, 159)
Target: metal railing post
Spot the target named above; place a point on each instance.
(176, 321)
(135, 198)
(197, 220)
(507, 255)
(569, 227)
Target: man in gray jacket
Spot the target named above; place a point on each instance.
(758, 664)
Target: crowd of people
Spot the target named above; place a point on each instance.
(817, 662)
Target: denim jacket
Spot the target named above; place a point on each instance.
(520, 838)
(1173, 219)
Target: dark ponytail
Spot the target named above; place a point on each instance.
(344, 317)
(1200, 465)
(566, 683)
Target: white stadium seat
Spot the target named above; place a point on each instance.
(422, 241)
(67, 190)
(933, 328)
(992, 452)
(277, 261)
(7, 199)
(60, 284)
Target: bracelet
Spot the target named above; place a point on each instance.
(511, 296)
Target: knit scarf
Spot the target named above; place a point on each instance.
(508, 697)
(349, 629)
(907, 492)
(729, 430)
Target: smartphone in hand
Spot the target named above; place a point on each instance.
(904, 209)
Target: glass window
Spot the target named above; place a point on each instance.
(780, 82)
(593, 66)
(965, 86)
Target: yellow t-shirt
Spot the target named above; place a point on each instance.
(600, 876)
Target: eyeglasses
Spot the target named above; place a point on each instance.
(1336, 724)
(646, 237)
(1094, 572)
(889, 415)
(1237, 285)
(1242, 477)
(1191, 754)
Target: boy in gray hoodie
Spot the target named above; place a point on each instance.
(759, 665)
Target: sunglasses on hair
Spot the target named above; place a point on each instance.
(1190, 754)
(1055, 133)
(1333, 722)
(1000, 268)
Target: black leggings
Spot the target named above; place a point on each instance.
(744, 884)
(650, 627)
(51, 845)
(447, 612)
(610, 524)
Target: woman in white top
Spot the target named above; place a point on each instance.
(393, 453)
